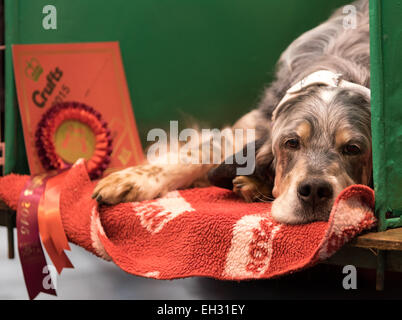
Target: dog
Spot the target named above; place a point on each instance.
(312, 132)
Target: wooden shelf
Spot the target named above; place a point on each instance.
(385, 240)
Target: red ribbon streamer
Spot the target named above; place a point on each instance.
(38, 216)
(32, 258)
(50, 225)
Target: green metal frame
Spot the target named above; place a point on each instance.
(386, 97)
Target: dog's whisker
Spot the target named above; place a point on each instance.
(264, 196)
(261, 199)
(258, 198)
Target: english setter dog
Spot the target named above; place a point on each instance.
(312, 132)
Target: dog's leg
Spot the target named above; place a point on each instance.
(258, 185)
(152, 180)
(145, 182)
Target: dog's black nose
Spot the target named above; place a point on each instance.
(314, 191)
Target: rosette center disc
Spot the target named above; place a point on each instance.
(74, 140)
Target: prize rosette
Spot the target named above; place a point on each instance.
(69, 131)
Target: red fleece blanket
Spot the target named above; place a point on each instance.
(200, 232)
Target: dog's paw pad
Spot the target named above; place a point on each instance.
(246, 188)
(251, 189)
(132, 184)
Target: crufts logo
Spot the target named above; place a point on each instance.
(40, 97)
(33, 69)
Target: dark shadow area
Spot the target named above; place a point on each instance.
(94, 278)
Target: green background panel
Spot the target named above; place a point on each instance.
(205, 59)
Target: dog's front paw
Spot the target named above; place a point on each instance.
(132, 184)
(250, 189)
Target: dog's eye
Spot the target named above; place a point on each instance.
(351, 149)
(292, 143)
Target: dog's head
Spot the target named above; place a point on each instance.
(321, 143)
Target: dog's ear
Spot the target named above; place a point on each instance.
(265, 165)
(223, 175)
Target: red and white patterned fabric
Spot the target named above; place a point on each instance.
(200, 232)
